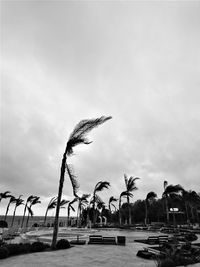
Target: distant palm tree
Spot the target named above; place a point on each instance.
(12, 200)
(28, 200)
(51, 205)
(130, 187)
(168, 192)
(82, 202)
(18, 202)
(69, 208)
(123, 194)
(98, 187)
(191, 201)
(150, 196)
(110, 202)
(78, 136)
(30, 212)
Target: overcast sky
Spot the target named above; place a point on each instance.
(64, 61)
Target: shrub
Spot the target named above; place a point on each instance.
(3, 252)
(63, 244)
(37, 247)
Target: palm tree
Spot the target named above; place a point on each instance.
(28, 200)
(111, 199)
(33, 202)
(12, 200)
(123, 194)
(150, 196)
(98, 187)
(18, 202)
(191, 201)
(51, 205)
(82, 202)
(69, 208)
(130, 187)
(78, 136)
(168, 192)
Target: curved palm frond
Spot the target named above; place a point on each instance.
(73, 179)
(151, 195)
(131, 183)
(5, 194)
(63, 202)
(101, 185)
(78, 136)
(173, 189)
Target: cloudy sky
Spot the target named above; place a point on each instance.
(64, 61)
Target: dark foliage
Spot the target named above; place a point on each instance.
(37, 247)
(62, 244)
(4, 253)
(3, 224)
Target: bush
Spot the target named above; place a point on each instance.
(63, 244)
(37, 247)
(3, 252)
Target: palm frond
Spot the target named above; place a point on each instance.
(101, 185)
(73, 179)
(112, 199)
(151, 195)
(131, 183)
(63, 202)
(125, 194)
(173, 189)
(78, 136)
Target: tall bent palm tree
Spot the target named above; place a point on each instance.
(98, 187)
(77, 137)
(12, 200)
(28, 200)
(51, 205)
(130, 187)
(18, 202)
(69, 208)
(30, 212)
(150, 196)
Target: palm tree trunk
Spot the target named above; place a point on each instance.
(167, 210)
(7, 209)
(13, 217)
(62, 176)
(129, 211)
(68, 214)
(186, 211)
(45, 217)
(146, 213)
(94, 212)
(24, 215)
(120, 217)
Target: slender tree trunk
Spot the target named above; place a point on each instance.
(167, 210)
(146, 213)
(129, 211)
(7, 209)
(94, 211)
(186, 212)
(120, 217)
(77, 215)
(68, 214)
(62, 176)
(45, 217)
(13, 217)
(24, 215)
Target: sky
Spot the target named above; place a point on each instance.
(64, 61)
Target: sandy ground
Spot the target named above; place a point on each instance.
(88, 255)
